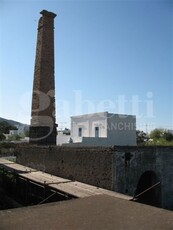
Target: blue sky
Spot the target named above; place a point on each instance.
(114, 56)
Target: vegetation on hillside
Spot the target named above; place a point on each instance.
(5, 127)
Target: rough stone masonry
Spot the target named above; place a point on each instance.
(43, 126)
(125, 169)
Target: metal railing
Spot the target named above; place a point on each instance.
(146, 190)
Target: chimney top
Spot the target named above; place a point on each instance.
(48, 13)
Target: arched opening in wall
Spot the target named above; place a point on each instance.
(148, 189)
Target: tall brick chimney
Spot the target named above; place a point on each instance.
(43, 126)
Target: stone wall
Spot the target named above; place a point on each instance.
(89, 165)
(130, 163)
(119, 168)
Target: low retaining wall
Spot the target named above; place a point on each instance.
(89, 165)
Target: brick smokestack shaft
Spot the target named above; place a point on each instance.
(43, 126)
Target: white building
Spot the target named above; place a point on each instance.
(63, 137)
(103, 129)
(13, 132)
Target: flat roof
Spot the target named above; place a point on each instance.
(101, 212)
(98, 209)
(102, 115)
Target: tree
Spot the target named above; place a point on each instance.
(26, 133)
(141, 137)
(168, 136)
(156, 133)
(161, 137)
(2, 137)
(14, 138)
(5, 127)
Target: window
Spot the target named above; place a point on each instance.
(96, 131)
(80, 132)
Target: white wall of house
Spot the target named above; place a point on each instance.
(121, 129)
(88, 125)
(62, 138)
(103, 129)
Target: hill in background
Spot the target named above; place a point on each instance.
(20, 126)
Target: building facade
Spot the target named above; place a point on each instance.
(103, 129)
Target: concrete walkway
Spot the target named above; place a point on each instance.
(100, 212)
